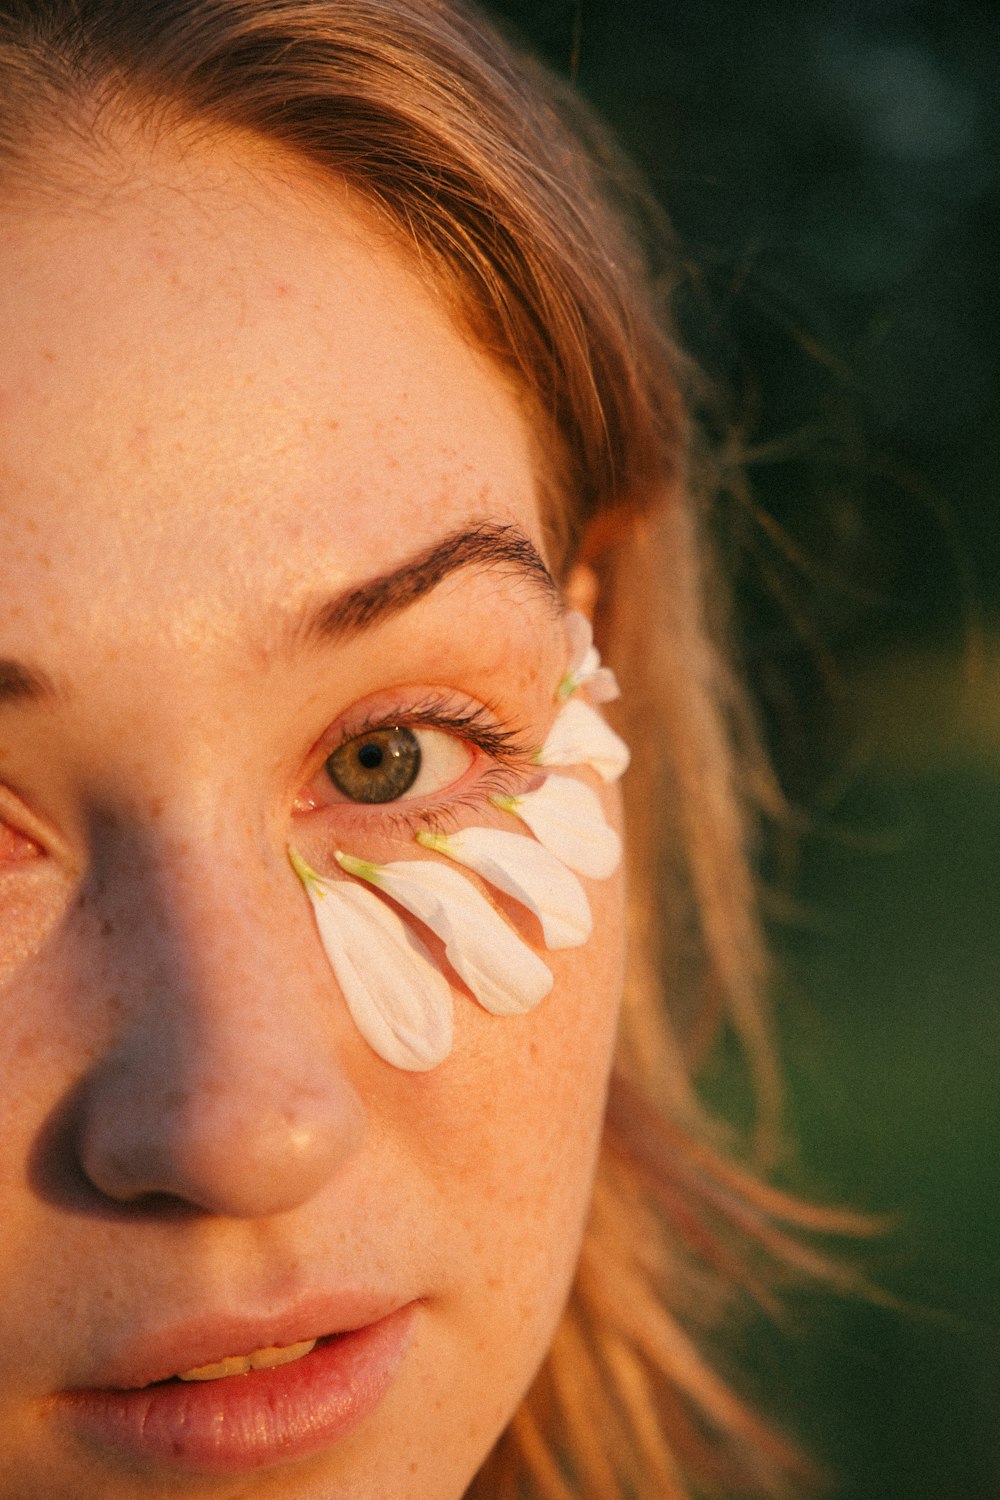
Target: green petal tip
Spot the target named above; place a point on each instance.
(303, 870)
(364, 869)
(436, 841)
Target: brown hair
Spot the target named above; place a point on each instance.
(517, 205)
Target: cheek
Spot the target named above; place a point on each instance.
(522, 1099)
(545, 1102)
(519, 1112)
(514, 1118)
(32, 900)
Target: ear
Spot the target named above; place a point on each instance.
(580, 589)
(602, 538)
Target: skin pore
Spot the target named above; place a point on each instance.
(228, 401)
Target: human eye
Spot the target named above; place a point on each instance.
(431, 756)
(397, 760)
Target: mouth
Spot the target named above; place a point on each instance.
(211, 1347)
(234, 1413)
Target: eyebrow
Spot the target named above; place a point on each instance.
(486, 546)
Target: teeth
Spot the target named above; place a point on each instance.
(266, 1359)
(238, 1364)
(241, 1364)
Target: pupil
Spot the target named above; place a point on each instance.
(376, 767)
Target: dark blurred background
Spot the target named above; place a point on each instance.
(832, 172)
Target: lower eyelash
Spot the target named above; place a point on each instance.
(444, 817)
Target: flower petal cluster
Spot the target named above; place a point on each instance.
(398, 997)
(397, 993)
(505, 975)
(528, 872)
(566, 818)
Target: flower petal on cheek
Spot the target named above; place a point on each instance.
(579, 639)
(527, 871)
(505, 975)
(397, 996)
(602, 685)
(567, 817)
(585, 668)
(580, 737)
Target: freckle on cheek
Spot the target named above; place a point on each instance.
(27, 1047)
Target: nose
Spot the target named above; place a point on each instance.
(221, 1087)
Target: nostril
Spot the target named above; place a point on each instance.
(217, 1077)
(223, 1143)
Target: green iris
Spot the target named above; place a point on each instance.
(376, 767)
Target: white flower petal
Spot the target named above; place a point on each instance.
(398, 997)
(567, 817)
(580, 737)
(506, 976)
(579, 638)
(602, 686)
(585, 668)
(526, 870)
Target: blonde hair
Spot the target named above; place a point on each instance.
(514, 202)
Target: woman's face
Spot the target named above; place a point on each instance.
(230, 419)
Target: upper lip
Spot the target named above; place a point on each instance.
(210, 1337)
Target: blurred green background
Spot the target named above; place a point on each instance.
(832, 172)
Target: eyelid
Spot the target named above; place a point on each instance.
(452, 713)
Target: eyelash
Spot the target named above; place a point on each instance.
(481, 726)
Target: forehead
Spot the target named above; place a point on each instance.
(224, 381)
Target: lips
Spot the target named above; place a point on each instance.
(208, 1340)
(184, 1400)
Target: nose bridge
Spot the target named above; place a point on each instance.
(223, 1084)
(192, 900)
(200, 891)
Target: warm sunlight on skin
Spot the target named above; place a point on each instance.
(224, 401)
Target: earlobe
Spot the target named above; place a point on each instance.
(605, 533)
(581, 589)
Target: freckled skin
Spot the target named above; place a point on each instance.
(225, 400)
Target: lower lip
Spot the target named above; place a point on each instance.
(246, 1422)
